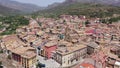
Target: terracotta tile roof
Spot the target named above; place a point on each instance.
(67, 44)
(37, 42)
(9, 38)
(26, 52)
(100, 56)
(33, 23)
(12, 42)
(30, 38)
(51, 43)
(84, 65)
(87, 65)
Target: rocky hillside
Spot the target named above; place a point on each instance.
(24, 7)
(8, 11)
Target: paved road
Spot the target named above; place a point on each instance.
(50, 63)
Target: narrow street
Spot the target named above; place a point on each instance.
(50, 63)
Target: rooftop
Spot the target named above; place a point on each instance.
(51, 43)
(26, 52)
(86, 65)
(70, 49)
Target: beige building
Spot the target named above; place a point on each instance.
(70, 55)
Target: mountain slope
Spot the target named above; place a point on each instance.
(103, 2)
(20, 6)
(107, 2)
(73, 8)
(8, 11)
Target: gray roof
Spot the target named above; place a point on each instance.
(93, 44)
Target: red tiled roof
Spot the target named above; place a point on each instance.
(100, 57)
(86, 65)
(31, 33)
(98, 31)
(91, 31)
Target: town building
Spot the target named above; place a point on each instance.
(50, 48)
(24, 56)
(67, 55)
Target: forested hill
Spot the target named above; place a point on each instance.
(89, 9)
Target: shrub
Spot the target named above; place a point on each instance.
(9, 57)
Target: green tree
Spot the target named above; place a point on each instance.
(40, 65)
(103, 21)
(86, 23)
(0, 63)
(9, 57)
(1, 51)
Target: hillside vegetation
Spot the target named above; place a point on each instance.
(9, 24)
(91, 10)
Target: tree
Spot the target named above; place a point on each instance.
(103, 21)
(40, 65)
(0, 63)
(40, 24)
(86, 23)
(14, 22)
(1, 51)
(64, 21)
(9, 57)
